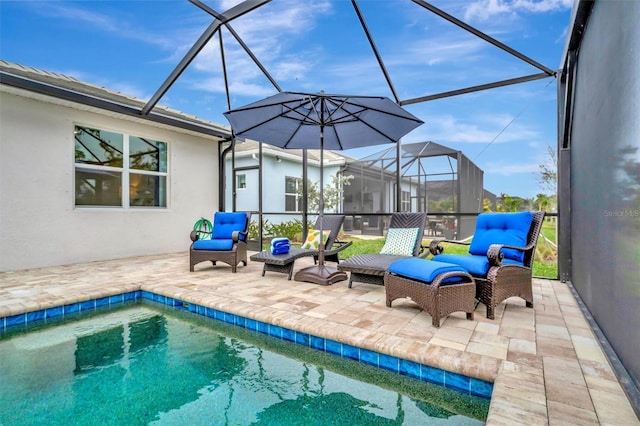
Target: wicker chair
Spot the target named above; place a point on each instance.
(370, 268)
(501, 256)
(333, 246)
(227, 244)
(284, 263)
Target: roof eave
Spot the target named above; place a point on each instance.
(31, 85)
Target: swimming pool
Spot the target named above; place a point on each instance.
(168, 369)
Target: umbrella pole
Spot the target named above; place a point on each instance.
(320, 273)
(321, 198)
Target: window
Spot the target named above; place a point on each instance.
(405, 201)
(292, 199)
(241, 181)
(104, 178)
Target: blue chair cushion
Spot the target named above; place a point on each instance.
(501, 228)
(224, 223)
(475, 265)
(221, 244)
(424, 270)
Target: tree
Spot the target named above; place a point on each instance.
(332, 193)
(508, 203)
(542, 202)
(548, 177)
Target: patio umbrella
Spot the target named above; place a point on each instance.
(298, 120)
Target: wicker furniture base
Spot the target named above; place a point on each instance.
(502, 283)
(438, 299)
(368, 268)
(281, 263)
(233, 257)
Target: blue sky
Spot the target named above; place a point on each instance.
(132, 47)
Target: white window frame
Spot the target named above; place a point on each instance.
(244, 175)
(405, 201)
(125, 172)
(298, 198)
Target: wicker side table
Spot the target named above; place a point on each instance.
(282, 263)
(437, 297)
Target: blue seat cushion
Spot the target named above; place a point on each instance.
(501, 228)
(221, 244)
(424, 270)
(224, 223)
(475, 265)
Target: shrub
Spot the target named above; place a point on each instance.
(291, 230)
(254, 231)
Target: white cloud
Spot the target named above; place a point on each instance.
(122, 26)
(483, 10)
(236, 88)
(479, 129)
(513, 169)
(267, 31)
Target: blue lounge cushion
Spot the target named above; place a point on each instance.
(221, 244)
(424, 270)
(225, 223)
(475, 265)
(501, 228)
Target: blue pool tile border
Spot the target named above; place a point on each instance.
(391, 363)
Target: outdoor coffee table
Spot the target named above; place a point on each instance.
(282, 263)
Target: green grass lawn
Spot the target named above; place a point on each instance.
(549, 231)
(540, 268)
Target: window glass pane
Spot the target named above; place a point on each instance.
(241, 181)
(290, 204)
(147, 154)
(99, 147)
(147, 190)
(290, 185)
(98, 188)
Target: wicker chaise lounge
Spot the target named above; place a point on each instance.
(370, 268)
(284, 263)
(500, 256)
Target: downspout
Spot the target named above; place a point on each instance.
(222, 174)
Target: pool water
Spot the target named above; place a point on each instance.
(145, 363)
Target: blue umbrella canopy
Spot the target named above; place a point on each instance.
(298, 120)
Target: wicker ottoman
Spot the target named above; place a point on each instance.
(437, 287)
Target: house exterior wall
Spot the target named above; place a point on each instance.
(274, 173)
(39, 223)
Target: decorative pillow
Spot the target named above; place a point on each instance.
(400, 241)
(313, 239)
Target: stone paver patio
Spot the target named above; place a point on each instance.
(546, 364)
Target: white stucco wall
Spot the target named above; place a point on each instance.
(39, 224)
